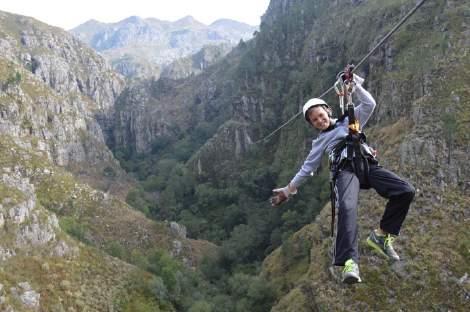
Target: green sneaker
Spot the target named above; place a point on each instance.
(383, 245)
(351, 272)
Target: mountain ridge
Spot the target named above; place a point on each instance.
(190, 143)
(143, 47)
(420, 127)
(63, 209)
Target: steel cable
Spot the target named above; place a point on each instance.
(394, 29)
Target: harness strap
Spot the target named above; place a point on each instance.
(333, 205)
(356, 157)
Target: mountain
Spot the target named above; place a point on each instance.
(192, 152)
(196, 63)
(188, 22)
(232, 29)
(68, 236)
(74, 86)
(87, 30)
(416, 91)
(212, 124)
(142, 47)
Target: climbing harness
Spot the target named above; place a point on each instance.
(344, 88)
(390, 33)
(357, 157)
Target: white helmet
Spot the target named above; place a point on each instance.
(312, 103)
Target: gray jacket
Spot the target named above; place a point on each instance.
(326, 141)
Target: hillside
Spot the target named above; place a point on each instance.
(77, 139)
(420, 127)
(69, 241)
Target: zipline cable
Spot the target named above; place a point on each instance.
(394, 29)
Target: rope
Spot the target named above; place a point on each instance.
(391, 32)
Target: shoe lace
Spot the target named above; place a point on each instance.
(349, 266)
(388, 240)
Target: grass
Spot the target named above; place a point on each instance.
(426, 278)
(287, 265)
(10, 196)
(92, 280)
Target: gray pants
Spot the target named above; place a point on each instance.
(398, 192)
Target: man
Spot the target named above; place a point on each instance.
(354, 169)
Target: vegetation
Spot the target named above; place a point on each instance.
(271, 257)
(228, 204)
(230, 207)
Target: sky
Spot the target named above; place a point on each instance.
(68, 14)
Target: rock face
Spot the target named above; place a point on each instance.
(421, 125)
(149, 110)
(196, 63)
(55, 89)
(231, 142)
(57, 95)
(27, 229)
(56, 100)
(27, 295)
(178, 229)
(143, 47)
(25, 225)
(418, 127)
(277, 9)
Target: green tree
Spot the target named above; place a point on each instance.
(201, 306)
(137, 198)
(159, 289)
(194, 224)
(251, 293)
(141, 304)
(241, 245)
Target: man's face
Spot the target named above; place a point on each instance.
(319, 118)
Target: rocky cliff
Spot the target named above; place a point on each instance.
(150, 109)
(420, 127)
(56, 98)
(56, 92)
(196, 63)
(435, 98)
(42, 267)
(55, 231)
(210, 122)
